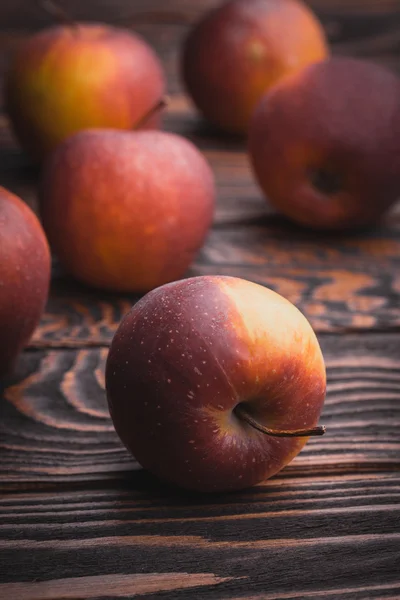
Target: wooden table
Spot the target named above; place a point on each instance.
(79, 519)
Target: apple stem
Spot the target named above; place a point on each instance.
(243, 414)
(57, 12)
(154, 109)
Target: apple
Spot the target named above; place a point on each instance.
(72, 77)
(126, 211)
(325, 144)
(24, 277)
(215, 383)
(238, 51)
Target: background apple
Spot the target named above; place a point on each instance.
(24, 277)
(126, 211)
(325, 144)
(68, 78)
(191, 359)
(241, 49)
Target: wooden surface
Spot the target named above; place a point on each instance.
(78, 517)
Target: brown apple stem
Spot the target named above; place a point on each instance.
(57, 12)
(243, 414)
(153, 110)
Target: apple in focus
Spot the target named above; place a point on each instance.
(126, 211)
(24, 277)
(239, 50)
(68, 78)
(325, 144)
(196, 364)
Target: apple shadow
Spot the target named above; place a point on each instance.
(284, 228)
(146, 483)
(65, 287)
(203, 134)
(19, 174)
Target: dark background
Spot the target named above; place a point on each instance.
(357, 27)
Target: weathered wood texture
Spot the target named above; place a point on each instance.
(55, 426)
(326, 536)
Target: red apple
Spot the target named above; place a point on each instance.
(24, 277)
(325, 144)
(198, 365)
(239, 50)
(68, 78)
(126, 211)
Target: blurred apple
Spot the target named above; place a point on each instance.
(73, 77)
(325, 144)
(214, 383)
(126, 211)
(241, 49)
(24, 277)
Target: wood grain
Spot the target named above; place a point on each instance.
(342, 284)
(288, 538)
(54, 422)
(117, 586)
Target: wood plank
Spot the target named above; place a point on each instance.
(347, 284)
(291, 538)
(54, 422)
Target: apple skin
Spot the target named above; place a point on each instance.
(66, 79)
(325, 144)
(126, 211)
(241, 49)
(186, 355)
(24, 277)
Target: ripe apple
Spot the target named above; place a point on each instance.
(73, 77)
(126, 211)
(325, 144)
(241, 49)
(213, 382)
(24, 277)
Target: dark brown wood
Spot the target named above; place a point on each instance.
(325, 536)
(55, 426)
